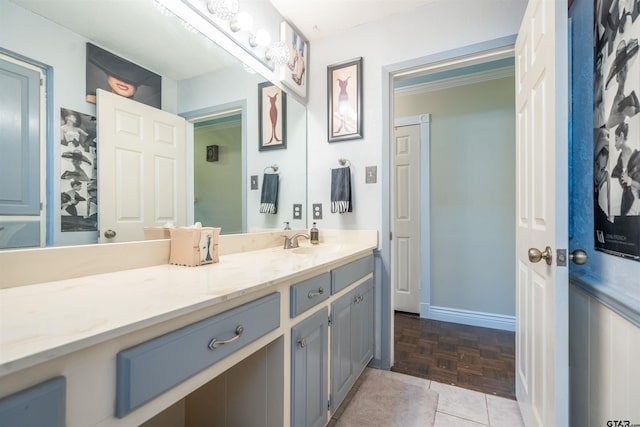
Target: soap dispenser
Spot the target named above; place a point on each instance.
(314, 235)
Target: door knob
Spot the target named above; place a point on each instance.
(579, 257)
(109, 234)
(535, 255)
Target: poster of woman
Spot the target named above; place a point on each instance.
(78, 179)
(617, 128)
(115, 74)
(272, 113)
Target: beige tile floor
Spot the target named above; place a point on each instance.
(459, 407)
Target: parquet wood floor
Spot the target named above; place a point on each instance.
(471, 357)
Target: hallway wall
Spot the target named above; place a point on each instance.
(472, 176)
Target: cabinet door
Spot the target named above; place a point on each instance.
(362, 330)
(309, 357)
(342, 374)
(40, 405)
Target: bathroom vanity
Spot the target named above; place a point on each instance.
(265, 337)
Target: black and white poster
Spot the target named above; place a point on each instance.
(78, 164)
(616, 121)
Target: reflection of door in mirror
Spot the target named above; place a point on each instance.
(141, 167)
(21, 147)
(218, 185)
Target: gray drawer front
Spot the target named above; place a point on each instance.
(307, 294)
(343, 276)
(153, 367)
(41, 405)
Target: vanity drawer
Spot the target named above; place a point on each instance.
(153, 367)
(40, 405)
(342, 277)
(307, 294)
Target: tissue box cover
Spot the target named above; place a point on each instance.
(194, 246)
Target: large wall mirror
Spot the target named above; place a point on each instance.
(216, 93)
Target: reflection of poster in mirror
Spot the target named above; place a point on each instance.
(617, 128)
(294, 73)
(114, 74)
(272, 113)
(78, 163)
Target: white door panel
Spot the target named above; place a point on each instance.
(541, 173)
(406, 219)
(142, 167)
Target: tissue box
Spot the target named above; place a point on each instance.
(156, 233)
(194, 246)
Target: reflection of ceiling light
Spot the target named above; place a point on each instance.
(278, 53)
(189, 27)
(262, 38)
(162, 8)
(224, 9)
(243, 21)
(248, 69)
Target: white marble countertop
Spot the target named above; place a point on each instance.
(42, 321)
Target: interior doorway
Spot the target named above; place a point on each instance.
(436, 78)
(217, 189)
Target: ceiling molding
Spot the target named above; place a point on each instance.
(447, 83)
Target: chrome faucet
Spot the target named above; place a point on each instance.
(292, 242)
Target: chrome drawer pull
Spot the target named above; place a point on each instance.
(358, 299)
(312, 294)
(302, 343)
(215, 343)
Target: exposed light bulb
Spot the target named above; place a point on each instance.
(243, 21)
(261, 38)
(224, 9)
(278, 53)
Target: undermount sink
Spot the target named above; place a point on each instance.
(307, 250)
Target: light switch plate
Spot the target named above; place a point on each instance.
(254, 182)
(372, 174)
(317, 211)
(297, 211)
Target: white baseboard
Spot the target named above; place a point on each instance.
(468, 317)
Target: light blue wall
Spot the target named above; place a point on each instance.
(472, 175)
(613, 279)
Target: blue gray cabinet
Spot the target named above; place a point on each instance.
(308, 294)
(40, 405)
(155, 366)
(351, 339)
(309, 357)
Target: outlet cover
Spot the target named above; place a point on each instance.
(317, 211)
(297, 211)
(254, 182)
(372, 174)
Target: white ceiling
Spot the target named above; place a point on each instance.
(317, 19)
(138, 32)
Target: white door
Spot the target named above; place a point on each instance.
(542, 191)
(405, 243)
(141, 168)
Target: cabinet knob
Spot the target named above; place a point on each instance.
(302, 343)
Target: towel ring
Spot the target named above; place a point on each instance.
(344, 162)
(274, 167)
